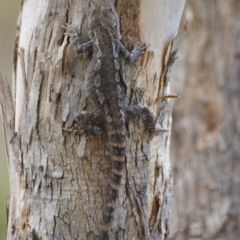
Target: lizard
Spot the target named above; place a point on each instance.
(106, 88)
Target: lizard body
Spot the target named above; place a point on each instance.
(105, 86)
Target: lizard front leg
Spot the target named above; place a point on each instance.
(134, 54)
(75, 41)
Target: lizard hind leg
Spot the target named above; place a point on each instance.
(90, 123)
(142, 112)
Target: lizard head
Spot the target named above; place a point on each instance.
(104, 14)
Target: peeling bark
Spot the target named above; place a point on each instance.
(59, 179)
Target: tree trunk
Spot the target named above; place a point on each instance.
(205, 140)
(59, 179)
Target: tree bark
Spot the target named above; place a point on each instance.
(205, 137)
(59, 179)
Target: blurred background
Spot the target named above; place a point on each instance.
(8, 18)
(205, 137)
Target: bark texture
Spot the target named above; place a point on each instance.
(59, 179)
(205, 140)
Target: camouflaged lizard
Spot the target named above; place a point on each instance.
(105, 86)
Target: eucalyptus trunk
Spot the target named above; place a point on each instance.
(59, 179)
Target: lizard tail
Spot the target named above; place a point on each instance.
(117, 148)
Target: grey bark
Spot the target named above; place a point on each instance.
(59, 179)
(205, 138)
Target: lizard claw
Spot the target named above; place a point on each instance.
(70, 30)
(143, 47)
(140, 49)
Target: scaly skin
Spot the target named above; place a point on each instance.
(106, 88)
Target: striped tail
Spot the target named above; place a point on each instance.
(117, 148)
